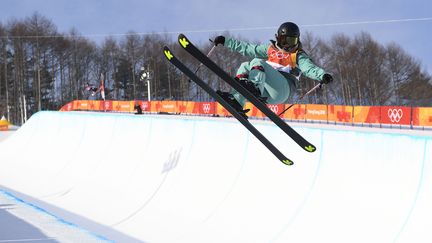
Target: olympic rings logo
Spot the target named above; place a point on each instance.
(274, 108)
(206, 108)
(395, 115)
(278, 54)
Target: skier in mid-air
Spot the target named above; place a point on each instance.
(274, 71)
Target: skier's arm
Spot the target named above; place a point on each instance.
(247, 49)
(308, 68)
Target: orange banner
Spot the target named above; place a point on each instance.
(422, 116)
(153, 105)
(340, 113)
(316, 112)
(96, 105)
(276, 108)
(367, 114)
(123, 106)
(395, 115)
(201, 108)
(185, 107)
(82, 105)
(167, 107)
(67, 107)
(107, 105)
(221, 111)
(296, 112)
(145, 105)
(206, 108)
(255, 112)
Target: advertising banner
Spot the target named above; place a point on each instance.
(95, 105)
(340, 113)
(145, 105)
(167, 107)
(155, 106)
(107, 105)
(393, 115)
(206, 108)
(81, 105)
(276, 108)
(221, 111)
(316, 112)
(367, 114)
(185, 107)
(123, 106)
(297, 112)
(254, 112)
(422, 116)
(68, 106)
(396, 115)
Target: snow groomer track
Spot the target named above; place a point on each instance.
(188, 179)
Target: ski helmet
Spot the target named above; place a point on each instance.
(287, 36)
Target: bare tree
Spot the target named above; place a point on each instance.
(81, 63)
(108, 60)
(19, 51)
(4, 92)
(132, 50)
(41, 42)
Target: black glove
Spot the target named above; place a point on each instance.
(219, 40)
(326, 78)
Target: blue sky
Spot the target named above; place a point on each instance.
(256, 20)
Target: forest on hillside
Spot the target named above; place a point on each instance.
(42, 69)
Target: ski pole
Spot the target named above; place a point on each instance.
(301, 97)
(208, 55)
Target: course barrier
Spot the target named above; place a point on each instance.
(399, 116)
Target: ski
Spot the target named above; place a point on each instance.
(195, 52)
(176, 62)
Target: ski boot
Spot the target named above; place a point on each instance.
(229, 98)
(251, 87)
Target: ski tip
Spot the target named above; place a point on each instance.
(168, 53)
(310, 148)
(184, 42)
(287, 162)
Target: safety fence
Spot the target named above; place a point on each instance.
(388, 116)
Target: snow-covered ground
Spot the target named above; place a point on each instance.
(5, 134)
(188, 179)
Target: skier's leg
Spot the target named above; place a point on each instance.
(257, 74)
(270, 82)
(230, 99)
(251, 76)
(234, 98)
(276, 87)
(242, 73)
(243, 70)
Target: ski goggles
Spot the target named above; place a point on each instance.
(288, 43)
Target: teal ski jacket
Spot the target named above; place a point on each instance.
(276, 86)
(304, 62)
